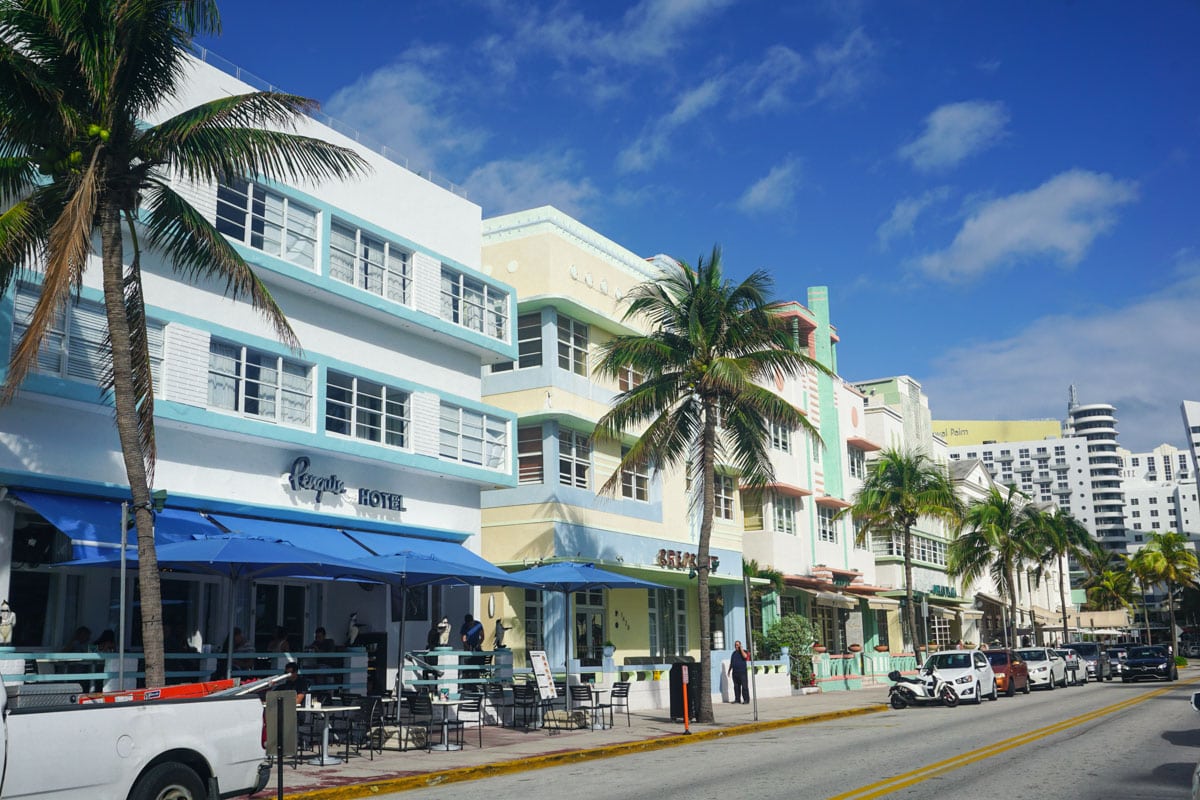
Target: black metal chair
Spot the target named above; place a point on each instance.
(620, 699)
(472, 706)
(499, 700)
(420, 716)
(583, 700)
(527, 705)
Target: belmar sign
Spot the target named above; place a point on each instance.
(300, 478)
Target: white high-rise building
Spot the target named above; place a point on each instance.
(1191, 426)
(1097, 423)
(1160, 493)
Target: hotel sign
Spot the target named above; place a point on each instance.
(301, 478)
(675, 559)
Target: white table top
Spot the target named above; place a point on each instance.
(329, 709)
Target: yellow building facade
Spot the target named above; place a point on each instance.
(977, 431)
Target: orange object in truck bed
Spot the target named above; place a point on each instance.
(183, 690)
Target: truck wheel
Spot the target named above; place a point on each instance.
(169, 781)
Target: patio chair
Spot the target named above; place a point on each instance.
(527, 705)
(620, 699)
(420, 719)
(472, 708)
(499, 701)
(583, 700)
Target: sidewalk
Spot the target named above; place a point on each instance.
(507, 750)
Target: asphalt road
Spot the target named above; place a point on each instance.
(1113, 741)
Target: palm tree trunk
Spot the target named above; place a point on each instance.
(708, 455)
(1062, 599)
(130, 440)
(911, 611)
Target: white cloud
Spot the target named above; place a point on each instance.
(905, 213)
(1058, 220)
(1135, 357)
(772, 79)
(650, 31)
(404, 107)
(773, 192)
(653, 143)
(845, 68)
(542, 179)
(955, 132)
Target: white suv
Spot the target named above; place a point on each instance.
(968, 670)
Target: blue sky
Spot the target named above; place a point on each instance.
(1003, 197)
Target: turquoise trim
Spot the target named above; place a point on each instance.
(182, 500)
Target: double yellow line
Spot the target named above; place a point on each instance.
(898, 782)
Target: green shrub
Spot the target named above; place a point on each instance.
(1180, 661)
(795, 633)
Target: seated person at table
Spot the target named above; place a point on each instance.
(80, 641)
(106, 642)
(279, 642)
(294, 681)
(321, 643)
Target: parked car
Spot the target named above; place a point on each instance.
(1149, 661)
(1116, 657)
(1076, 674)
(969, 671)
(1012, 674)
(1098, 667)
(1046, 668)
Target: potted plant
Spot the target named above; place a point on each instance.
(609, 649)
(819, 648)
(855, 648)
(882, 648)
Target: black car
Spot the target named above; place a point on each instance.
(1149, 661)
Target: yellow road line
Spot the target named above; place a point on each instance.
(907, 779)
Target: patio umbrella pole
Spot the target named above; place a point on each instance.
(121, 626)
(229, 635)
(567, 624)
(403, 614)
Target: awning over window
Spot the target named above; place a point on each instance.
(94, 525)
(863, 443)
(348, 544)
(829, 501)
(836, 599)
(882, 603)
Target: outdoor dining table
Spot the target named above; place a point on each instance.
(598, 693)
(446, 704)
(326, 712)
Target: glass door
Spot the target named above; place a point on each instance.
(589, 627)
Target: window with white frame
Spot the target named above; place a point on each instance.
(530, 461)
(752, 509)
(668, 622)
(574, 459)
(75, 344)
(367, 410)
(826, 525)
(472, 437)
(784, 513)
(723, 490)
(629, 378)
(816, 448)
(258, 384)
(369, 262)
(572, 345)
(858, 462)
(473, 304)
(781, 438)
(635, 480)
(268, 221)
(534, 621)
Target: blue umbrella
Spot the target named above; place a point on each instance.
(573, 576)
(409, 569)
(247, 558)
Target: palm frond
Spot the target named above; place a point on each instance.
(196, 249)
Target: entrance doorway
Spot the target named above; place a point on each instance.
(589, 627)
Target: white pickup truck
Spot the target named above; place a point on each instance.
(191, 749)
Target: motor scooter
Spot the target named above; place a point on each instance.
(927, 687)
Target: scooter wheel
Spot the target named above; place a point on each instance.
(898, 702)
(949, 697)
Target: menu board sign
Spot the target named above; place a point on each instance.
(541, 672)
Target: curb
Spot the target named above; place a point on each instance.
(428, 779)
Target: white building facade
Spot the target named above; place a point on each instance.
(375, 429)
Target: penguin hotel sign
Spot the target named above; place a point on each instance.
(302, 479)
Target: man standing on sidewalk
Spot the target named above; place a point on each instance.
(737, 670)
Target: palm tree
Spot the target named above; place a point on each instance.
(1000, 537)
(900, 489)
(711, 344)
(78, 80)
(1171, 560)
(1060, 536)
(1141, 567)
(1111, 590)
